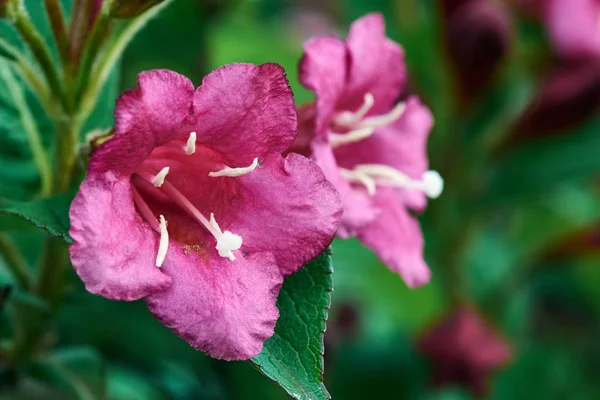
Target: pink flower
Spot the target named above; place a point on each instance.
(192, 207)
(371, 147)
(574, 27)
(463, 349)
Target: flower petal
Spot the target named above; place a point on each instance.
(323, 69)
(221, 307)
(357, 205)
(376, 63)
(395, 236)
(578, 35)
(402, 145)
(306, 129)
(114, 250)
(246, 111)
(289, 209)
(146, 117)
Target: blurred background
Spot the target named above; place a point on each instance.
(512, 310)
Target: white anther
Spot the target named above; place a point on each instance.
(357, 135)
(190, 147)
(163, 245)
(349, 118)
(360, 177)
(159, 179)
(233, 172)
(432, 184)
(226, 241)
(385, 119)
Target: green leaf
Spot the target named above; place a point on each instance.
(51, 214)
(540, 166)
(293, 357)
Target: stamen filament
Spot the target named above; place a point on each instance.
(190, 147)
(360, 177)
(233, 172)
(226, 241)
(163, 245)
(357, 135)
(385, 119)
(349, 118)
(159, 179)
(144, 209)
(384, 171)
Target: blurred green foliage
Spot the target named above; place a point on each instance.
(519, 198)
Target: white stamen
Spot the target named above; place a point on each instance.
(233, 172)
(159, 179)
(357, 135)
(190, 147)
(349, 118)
(384, 171)
(432, 184)
(227, 241)
(361, 177)
(385, 119)
(372, 175)
(164, 242)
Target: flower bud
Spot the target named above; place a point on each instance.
(4, 8)
(132, 8)
(569, 95)
(478, 38)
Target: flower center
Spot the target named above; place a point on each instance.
(226, 241)
(359, 127)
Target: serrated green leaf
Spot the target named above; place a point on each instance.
(50, 214)
(293, 357)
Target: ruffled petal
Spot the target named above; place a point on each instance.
(574, 27)
(402, 145)
(114, 250)
(289, 209)
(357, 205)
(246, 111)
(306, 129)
(323, 69)
(146, 117)
(221, 307)
(376, 63)
(395, 236)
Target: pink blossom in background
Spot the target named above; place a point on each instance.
(191, 206)
(371, 147)
(574, 27)
(464, 349)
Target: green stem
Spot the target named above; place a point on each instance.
(15, 261)
(51, 270)
(40, 51)
(30, 128)
(59, 29)
(68, 131)
(101, 73)
(93, 46)
(78, 31)
(31, 77)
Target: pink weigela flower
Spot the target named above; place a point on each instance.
(370, 146)
(464, 349)
(191, 206)
(574, 27)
